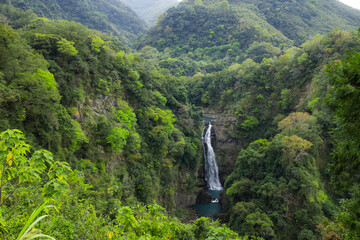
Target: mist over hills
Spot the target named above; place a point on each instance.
(149, 10)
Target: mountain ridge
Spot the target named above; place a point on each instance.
(213, 34)
(110, 16)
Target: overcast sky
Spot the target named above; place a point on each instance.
(352, 3)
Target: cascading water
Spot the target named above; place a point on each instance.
(210, 209)
(211, 168)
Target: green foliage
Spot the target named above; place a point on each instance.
(148, 222)
(112, 17)
(207, 36)
(17, 168)
(198, 3)
(286, 16)
(67, 47)
(125, 116)
(126, 129)
(295, 147)
(286, 100)
(18, 172)
(117, 138)
(188, 48)
(205, 229)
(17, 18)
(120, 58)
(259, 224)
(160, 99)
(275, 184)
(132, 129)
(105, 114)
(343, 101)
(249, 123)
(274, 86)
(161, 117)
(97, 44)
(75, 216)
(297, 121)
(24, 234)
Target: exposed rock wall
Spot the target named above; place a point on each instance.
(226, 148)
(188, 189)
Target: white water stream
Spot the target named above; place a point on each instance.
(211, 168)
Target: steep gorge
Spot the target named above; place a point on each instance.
(131, 129)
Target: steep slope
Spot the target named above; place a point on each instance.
(207, 26)
(110, 16)
(132, 130)
(213, 33)
(84, 96)
(276, 113)
(149, 10)
(122, 134)
(297, 20)
(209, 35)
(301, 20)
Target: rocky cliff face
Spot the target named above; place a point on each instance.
(188, 189)
(226, 148)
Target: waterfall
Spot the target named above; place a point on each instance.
(211, 168)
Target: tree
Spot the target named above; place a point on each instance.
(343, 100)
(295, 147)
(97, 44)
(298, 121)
(198, 3)
(17, 171)
(259, 224)
(224, 4)
(250, 123)
(66, 47)
(286, 99)
(117, 138)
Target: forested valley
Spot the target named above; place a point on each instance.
(102, 119)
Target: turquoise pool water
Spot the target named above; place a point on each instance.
(209, 209)
(207, 119)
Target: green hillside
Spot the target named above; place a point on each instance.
(110, 16)
(210, 35)
(297, 20)
(100, 141)
(149, 10)
(279, 115)
(124, 126)
(301, 20)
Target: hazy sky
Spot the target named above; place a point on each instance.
(352, 3)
